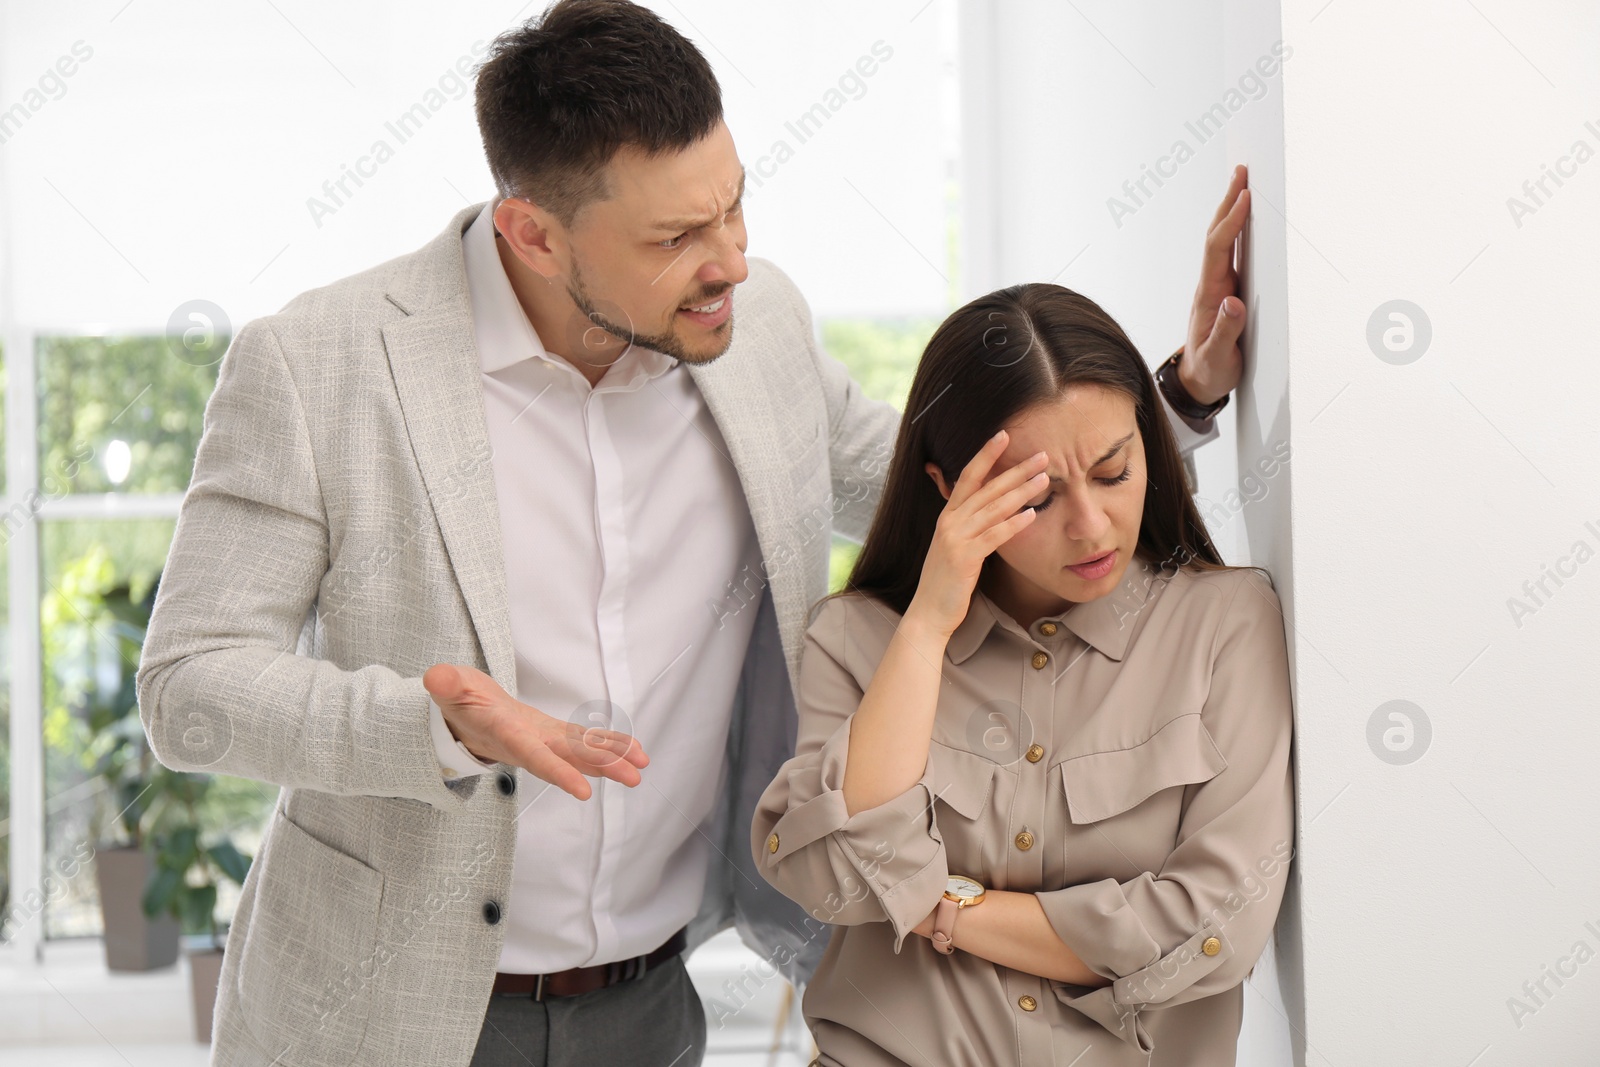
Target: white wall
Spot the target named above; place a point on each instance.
(177, 160)
(1443, 909)
(1425, 494)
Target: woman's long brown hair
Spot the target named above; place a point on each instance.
(986, 363)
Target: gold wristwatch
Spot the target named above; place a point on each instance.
(959, 892)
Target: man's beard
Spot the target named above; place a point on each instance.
(603, 315)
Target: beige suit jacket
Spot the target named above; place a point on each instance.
(338, 538)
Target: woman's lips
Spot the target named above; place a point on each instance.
(1096, 569)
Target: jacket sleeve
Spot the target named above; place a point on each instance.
(1191, 434)
(881, 864)
(861, 430)
(220, 686)
(1197, 927)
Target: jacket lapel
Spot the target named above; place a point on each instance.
(742, 407)
(433, 356)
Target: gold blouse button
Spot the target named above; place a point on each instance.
(1024, 841)
(772, 843)
(1027, 1003)
(1039, 660)
(1047, 628)
(1035, 753)
(1211, 946)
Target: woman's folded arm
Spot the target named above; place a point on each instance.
(1196, 927)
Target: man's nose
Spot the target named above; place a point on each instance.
(725, 261)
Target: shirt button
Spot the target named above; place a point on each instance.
(507, 783)
(491, 912)
(772, 843)
(1035, 753)
(1047, 628)
(1211, 946)
(1027, 1003)
(1024, 841)
(447, 772)
(1039, 660)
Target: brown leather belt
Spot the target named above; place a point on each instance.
(576, 980)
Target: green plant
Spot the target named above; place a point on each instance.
(184, 882)
(95, 624)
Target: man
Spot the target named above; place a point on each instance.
(497, 558)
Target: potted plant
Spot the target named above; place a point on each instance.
(93, 630)
(187, 872)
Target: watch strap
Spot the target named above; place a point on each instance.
(1171, 387)
(944, 925)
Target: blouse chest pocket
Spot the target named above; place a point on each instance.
(1100, 785)
(961, 783)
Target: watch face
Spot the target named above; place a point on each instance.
(963, 887)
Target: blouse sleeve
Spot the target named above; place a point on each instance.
(881, 864)
(1197, 927)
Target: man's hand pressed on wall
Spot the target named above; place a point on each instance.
(1212, 363)
(497, 728)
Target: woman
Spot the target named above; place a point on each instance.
(1042, 781)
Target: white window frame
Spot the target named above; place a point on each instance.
(26, 825)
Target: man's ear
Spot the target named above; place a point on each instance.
(938, 478)
(533, 234)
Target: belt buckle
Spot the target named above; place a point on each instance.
(538, 987)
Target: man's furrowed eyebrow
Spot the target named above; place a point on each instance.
(681, 224)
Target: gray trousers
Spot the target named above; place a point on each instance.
(655, 1020)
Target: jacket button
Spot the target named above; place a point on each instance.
(506, 782)
(1211, 946)
(1039, 660)
(772, 843)
(1047, 628)
(1024, 841)
(1035, 753)
(491, 912)
(1027, 1003)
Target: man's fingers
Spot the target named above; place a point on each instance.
(1226, 330)
(1227, 230)
(1236, 181)
(547, 766)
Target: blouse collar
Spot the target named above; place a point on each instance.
(1106, 623)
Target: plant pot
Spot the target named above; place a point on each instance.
(205, 968)
(133, 940)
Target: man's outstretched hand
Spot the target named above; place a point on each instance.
(1212, 363)
(497, 728)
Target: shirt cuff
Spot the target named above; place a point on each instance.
(1096, 921)
(894, 849)
(1190, 433)
(454, 759)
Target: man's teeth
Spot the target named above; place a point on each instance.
(707, 309)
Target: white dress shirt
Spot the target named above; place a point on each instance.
(624, 525)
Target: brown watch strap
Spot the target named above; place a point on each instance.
(1171, 387)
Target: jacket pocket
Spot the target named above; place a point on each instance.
(308, 962)
(1102, 784)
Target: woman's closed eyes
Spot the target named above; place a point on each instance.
(1127, 472)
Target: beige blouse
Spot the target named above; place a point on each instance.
(1127, 761)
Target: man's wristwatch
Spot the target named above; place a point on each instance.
(1172, 388)
(959, 892)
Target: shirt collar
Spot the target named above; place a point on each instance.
(1106, 624)
(502, 330)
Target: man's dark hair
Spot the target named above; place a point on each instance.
(560, 94)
